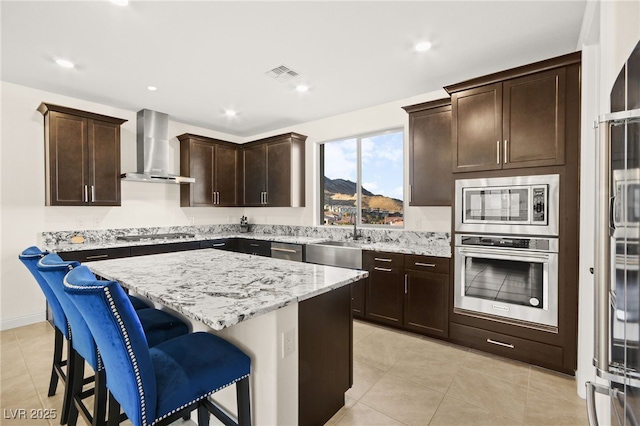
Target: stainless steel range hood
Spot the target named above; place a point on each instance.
(153, 150)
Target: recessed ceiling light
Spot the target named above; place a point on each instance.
(152, 88)
(120, 2)
(302, 88)
(230, 113)
(64, 63)
(423, 46)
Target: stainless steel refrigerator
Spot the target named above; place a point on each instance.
(617, 328)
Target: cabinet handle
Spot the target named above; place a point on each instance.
(495, 342)
(428, 265)
(217, 197)
(497, 152)
(97, 256)
(406, 278)
(93, 193)
(284, 250)
(410, 192)
(381, 259)
(383, 269)
(254, 245)
(218, 245)
(506, 152)
(266, 197)
(86, 193)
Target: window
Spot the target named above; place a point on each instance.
(363, 177)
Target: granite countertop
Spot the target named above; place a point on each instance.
(436, 248)
(215, 287)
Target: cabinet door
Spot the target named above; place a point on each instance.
(279, 174)
(476, 132)
(426, 302)
(226, 175)
(201, 165)
(67, 164)
(104, 163)
(429, 157)
(254, 172)
(534, 120)
(384, 293)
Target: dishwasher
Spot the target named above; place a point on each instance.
(287, 251)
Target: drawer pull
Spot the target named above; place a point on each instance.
(382, 259)
(506, 345)
(97, 256)
(283, 249)
(428, 265)
(383, 269)
(254, 245)
(218, 245)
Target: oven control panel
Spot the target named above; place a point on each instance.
(539, 204)
(542, 244)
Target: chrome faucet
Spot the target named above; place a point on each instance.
(355, 227)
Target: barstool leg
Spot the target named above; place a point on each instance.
(244, 402)
(203, 415)
(100, 399)
(67, 402)
(113, 418)
(57, 361)
(74, 383)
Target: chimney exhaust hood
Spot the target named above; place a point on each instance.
(152, 146)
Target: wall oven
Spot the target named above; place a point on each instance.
(515, 278)
(525, 205)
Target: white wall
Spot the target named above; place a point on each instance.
(24, 215)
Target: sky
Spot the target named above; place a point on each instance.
(382, 163)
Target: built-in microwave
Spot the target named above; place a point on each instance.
(513, 205)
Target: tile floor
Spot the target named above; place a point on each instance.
(399, 379)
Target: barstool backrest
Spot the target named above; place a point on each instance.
(121, 341)
(30, 257)
(53, 269)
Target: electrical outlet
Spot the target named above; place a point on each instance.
(418, 223)
(192, 220)
(288, 343)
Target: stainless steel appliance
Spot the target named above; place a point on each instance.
(510, 277)
(617, 297)
(517, 205)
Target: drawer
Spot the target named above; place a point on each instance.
(255, 247)
(384, 260)
(98, 254)
(507, 346)
(220, 244)
(164, 248)
(438, 265)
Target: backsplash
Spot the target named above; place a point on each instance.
(326, 232)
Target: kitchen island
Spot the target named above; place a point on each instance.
(293, 320)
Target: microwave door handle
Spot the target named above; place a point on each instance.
(506, 253)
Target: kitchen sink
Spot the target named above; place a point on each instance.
(343, 254)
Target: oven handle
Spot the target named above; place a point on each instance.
(508, 254)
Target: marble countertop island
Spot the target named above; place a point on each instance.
(220, 288)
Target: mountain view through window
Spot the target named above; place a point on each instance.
(363, 177)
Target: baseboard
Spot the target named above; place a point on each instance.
(21, 321)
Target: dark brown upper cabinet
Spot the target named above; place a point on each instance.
(214, 165)
(273, 172)
(430, 153)
(82, 157)
(511, 119)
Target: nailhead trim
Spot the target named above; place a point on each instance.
(198, 399)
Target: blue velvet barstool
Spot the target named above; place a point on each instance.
(157, 325)
(30, 257)
(155, 386)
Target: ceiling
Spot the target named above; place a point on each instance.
(208, 56)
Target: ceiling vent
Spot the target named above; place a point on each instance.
(281, 73)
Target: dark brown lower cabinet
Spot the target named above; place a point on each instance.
(325, 334)
(97, 254)
(385, 291)
(406, 291)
